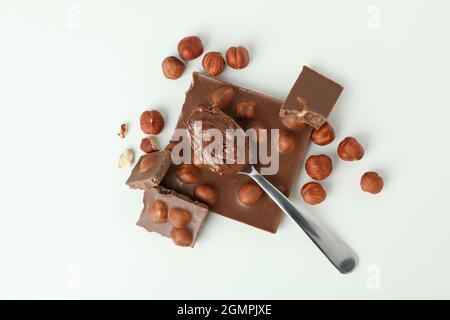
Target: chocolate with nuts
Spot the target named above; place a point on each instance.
(172, 215)
(149, 170)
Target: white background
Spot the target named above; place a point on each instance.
(71, 71)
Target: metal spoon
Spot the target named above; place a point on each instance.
(334, 249)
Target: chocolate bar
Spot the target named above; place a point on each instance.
(172, 215)
(149, 170)
(311, 99)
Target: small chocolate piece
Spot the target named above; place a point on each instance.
(149, 170)
(185, 218)
(311, 99)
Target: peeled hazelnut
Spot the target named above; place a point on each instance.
(286, 141)
(350, 150)
(319, 167)
(246, 109)
(172, 67)
(188, 173)
(372, 182)
(313, 193)
(148, 145)
(324, 135)
(223, 96)
(158, 212)
(126, 159)
(250, 193)
(206, 193)
(237, 57)
(213, 63)
(190, 48)
(261, 132)
(123, 130)
(179, 217)
(181, 236)
(152, 122)
(147, 163)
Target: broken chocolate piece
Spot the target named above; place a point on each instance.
(311, 98)
(149, 170)
(184, 234)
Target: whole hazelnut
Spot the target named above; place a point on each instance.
(206, 193)
(324, 135)
(158, 212)
(213, 63)
(188, 173)
(179, 217)
(147, 163)
(172, 67)
(261, 132)
(237, 57)
(350, 149)
(246, 109)
(313, 193)
(181, 236)
(286, 141)
(223, 96)
(148, 145)
(250, 193)
(190, 48)
(152, 122)
(319, 167)
(372, 182)
(292, 123)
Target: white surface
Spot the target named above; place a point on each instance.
(67, 221)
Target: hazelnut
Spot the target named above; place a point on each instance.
(188, 173)
(286, 141)
(172, 67)
(237, 57)
(261, 132)
(181, 236)
(213, 63)
(126, 159)
(292, 123)
(246, 109)
(250, 193)
(349, 149)
(319, 167)
(152, 122)
(206, 193)
(372, 182)
(158, 212)
(123, 130)
(179, 217)
(190, 48)
(313, 193)
(147, 163)
(148, 145)
(324, 135)
(223, 96)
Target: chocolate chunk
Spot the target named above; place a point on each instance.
(311, 99)
(149, 170)
(185, 233)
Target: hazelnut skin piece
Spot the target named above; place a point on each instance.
(372, 182)
(237, 57)
(286, 141)
(206, 193)
(324, 135)
(188, 173)
(250, 193)
(319, 167)
(213, 63)
(223, 96)
(350, 149)
(313, 193)
(158, 212)
(173, 68)
(179, 217)
(148, 145)
(181, 236)
(190, 48)
(152, 122)
(246, 109)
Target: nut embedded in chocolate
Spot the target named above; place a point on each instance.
(158, 212)
(372, 182)
(206, 193)
(147, 163)
(188, 173)
(250, 193)
(172, 67)
(179, 217)
(190, 48)
(286, 141)
(246, 109)
(319, 167)
(213, 63)
(152, 122)
(223, 96)
(350, 149)
(181, 236)
(313, 193)
(324, 135)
